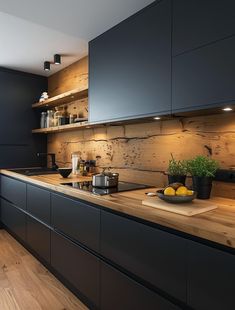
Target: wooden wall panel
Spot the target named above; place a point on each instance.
(71, 77)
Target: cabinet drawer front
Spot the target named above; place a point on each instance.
(201, 80)
(77, 266)
(120, 292)
(14, 219)
(76, 219)
(38, 238)
(14, 191)
(154, 255)
(38, 203)
(211, 278)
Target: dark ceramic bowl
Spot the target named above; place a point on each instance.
(64, 172)
(175, 199)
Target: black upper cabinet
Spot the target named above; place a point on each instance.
(199, 22)
(130, 67)
(18, 147)
(154, 255)
(204, 77)
(211, 278)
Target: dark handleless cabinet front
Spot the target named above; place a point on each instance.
(77, 266)
(38, 238)
(204, 77)
(119, 292)
(153, 255)
(14, 191)
(211, 277)
(77, 219)
(199, 22)
(130, 67)
(38, 203)
(14, 219)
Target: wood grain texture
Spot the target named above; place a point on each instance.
(217, 225)
(71, 77)
(25, 284)
(140, 152)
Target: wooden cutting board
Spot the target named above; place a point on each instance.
(189, 209)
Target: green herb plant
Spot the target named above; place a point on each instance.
(177, 167)
(202, 166)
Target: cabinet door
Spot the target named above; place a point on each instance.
(120, 292)
(204, 78)
(76, 219)
(14, 191)
(38, 238)
(211, 278)
(14, 219)
(200, 22)
(130, 67)
(38, 203)
(77, 266)
(156, 256)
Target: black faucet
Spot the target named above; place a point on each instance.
(53, 163)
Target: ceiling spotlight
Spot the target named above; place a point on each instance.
(57, 59)
(227, 109)
(47, 66)
(157, 118)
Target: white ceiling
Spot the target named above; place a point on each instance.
(32, 31)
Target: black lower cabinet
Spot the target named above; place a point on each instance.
(77, 266)
(38, 238)
(210, 278)
(119, 292)
(13, 219)
(14, 191)
(153, 255)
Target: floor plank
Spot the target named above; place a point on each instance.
(25, 284)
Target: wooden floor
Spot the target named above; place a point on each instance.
(25, 284)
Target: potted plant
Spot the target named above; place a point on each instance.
(203, 171)
(177, 171)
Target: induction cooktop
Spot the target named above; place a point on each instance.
(122, 187)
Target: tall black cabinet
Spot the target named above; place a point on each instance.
(18, 147)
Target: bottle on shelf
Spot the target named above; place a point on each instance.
(43, 120)
(50, 119)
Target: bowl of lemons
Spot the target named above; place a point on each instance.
(176, 193)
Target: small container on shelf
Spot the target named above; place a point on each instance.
(43, 120)
(50, 119)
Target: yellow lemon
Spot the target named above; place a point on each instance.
(182, 191)
(189, 192)
(169, 191)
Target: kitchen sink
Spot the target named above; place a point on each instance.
(35, 171)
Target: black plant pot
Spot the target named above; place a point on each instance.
(176, 179)
(202, 185)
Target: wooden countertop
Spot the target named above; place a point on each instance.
(217, 225)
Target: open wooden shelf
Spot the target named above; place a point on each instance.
(75, 94)
(80, 125)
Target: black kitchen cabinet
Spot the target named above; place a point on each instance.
(130, 67)
(14, 191)
(120, 292)
(13, 219)
(18, 147)
(211, 278)
(204, 78)
(76, 219)
(77, 266)
(199, 22)
(153, 255)
(38, 238)
(39, 203)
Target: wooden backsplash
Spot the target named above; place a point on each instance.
(140, 152)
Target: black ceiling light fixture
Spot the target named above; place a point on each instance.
(57, 59)
(47, 66)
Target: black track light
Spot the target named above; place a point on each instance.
(47, 66)
(57, 59)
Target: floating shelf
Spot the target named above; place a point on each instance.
(75, 94)
(80, 125)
